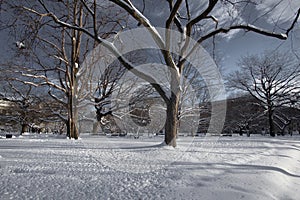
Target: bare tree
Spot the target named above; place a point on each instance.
(29, 105)
(111, 82)
(194, 95)
(201, 22)
(56, 53)
(272, 79)
(23, 102)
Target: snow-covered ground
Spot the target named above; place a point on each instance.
(98, 167)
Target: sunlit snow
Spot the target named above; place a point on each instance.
(99, 167)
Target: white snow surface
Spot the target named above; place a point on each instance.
(98, 167)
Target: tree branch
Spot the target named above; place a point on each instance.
(294, 23)
(112, 48)
(136, 14)
(247, 27)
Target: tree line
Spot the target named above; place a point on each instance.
(53, 38)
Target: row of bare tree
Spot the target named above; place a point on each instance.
(273, 79)
(55, 37)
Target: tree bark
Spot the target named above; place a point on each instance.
(74, 129)
(68, 125)
(72, 124)
(171, 123)
(24, 128)
(271, 122)
(171, 126)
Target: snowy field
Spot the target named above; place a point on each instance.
(98, 167)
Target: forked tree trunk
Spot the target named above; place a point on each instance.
(72, 96)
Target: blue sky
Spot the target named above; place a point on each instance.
(232, 49)
(250, 43)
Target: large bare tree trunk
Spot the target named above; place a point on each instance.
(171, 126)
(171, 122)
(271, 122)
(24, 128)
(72, 126)
(74, 130)
(73, 101)
(72, 106)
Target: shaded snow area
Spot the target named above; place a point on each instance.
(98, 167)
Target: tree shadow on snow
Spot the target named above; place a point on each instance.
(232, 168)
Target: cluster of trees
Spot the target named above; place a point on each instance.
(245, 115)
(21, 107)
(273, 80)
(55, 37)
